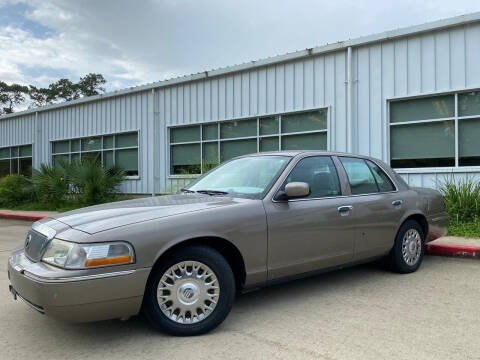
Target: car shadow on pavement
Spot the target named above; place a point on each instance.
(253, 304)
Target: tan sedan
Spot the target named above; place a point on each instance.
(250, 222)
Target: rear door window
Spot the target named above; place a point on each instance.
(383, 181)
(359, 176)
(319, 173)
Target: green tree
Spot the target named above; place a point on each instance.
(40, 96)
(62, 90)
(91, 84)
(65, 90)
(11, 96)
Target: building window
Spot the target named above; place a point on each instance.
(16, 160)
(198, 148)
(111, 150)
(422, 131)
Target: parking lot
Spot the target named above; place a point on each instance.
(357, 313)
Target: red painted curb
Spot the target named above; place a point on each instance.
(21, 217)
(453, 250)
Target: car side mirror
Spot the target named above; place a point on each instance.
(297, 189)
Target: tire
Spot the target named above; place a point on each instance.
(405, 258)
(190, 295)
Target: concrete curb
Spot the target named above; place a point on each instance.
(453, 250)
(21, 217)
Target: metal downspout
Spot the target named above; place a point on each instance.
(152, 145)
(349, 101)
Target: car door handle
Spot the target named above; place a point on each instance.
(345, 208)
(397, 202)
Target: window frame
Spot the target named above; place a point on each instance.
(256, 137)
(101, 149)
(17, 158)
(456, 119)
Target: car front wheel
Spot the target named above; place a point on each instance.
(407, 253)
(191, 292)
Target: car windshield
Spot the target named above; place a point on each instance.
(245, 177)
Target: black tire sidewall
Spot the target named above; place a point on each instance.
(398, 264)
(217, 263)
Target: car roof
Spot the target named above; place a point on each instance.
(293, 153)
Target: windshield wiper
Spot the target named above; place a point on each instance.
(212, 192)
(187, 191)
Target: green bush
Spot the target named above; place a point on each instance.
(462, 199)
(79, 183)
(469, 229)
(51, 183)
(93, 184)
(15, 190)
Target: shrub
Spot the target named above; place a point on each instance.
(51, 182)
(462, 199)
(63, 185)
(15, 190)
(93, 184)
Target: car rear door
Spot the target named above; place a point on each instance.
(313, 232)
(377, 207)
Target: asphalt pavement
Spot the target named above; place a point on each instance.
(363, 312)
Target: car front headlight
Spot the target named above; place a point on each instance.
(69, 255)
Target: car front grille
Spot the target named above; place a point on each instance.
(35, 244)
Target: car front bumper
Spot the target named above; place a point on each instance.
(79, 298)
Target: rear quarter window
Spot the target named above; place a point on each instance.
(383, 181)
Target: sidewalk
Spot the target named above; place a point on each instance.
(446, 246)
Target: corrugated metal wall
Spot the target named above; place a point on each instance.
(310, 83)
(433, 62)
(112, 115)
(17, 131)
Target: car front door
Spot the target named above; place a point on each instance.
(312, 232)
(377, 207)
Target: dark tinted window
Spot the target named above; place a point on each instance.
(383, 181)
(4, 167)
(319, 173)
(26, 166)
(359, 175)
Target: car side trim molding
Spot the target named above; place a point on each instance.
(77, 278)
(288, 278)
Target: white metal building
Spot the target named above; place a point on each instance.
(410, 97)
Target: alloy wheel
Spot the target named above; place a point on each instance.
(411, 247)
(188, 292)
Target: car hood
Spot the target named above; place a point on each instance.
(108, 216)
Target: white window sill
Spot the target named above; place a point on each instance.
(426, 170)
(134, 177)
(186, 176)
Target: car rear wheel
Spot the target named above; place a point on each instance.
(191, 292)
(407, 253)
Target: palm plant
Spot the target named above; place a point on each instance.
(51, 183)
(94, 184)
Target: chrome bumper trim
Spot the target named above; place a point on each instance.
(77, 278)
